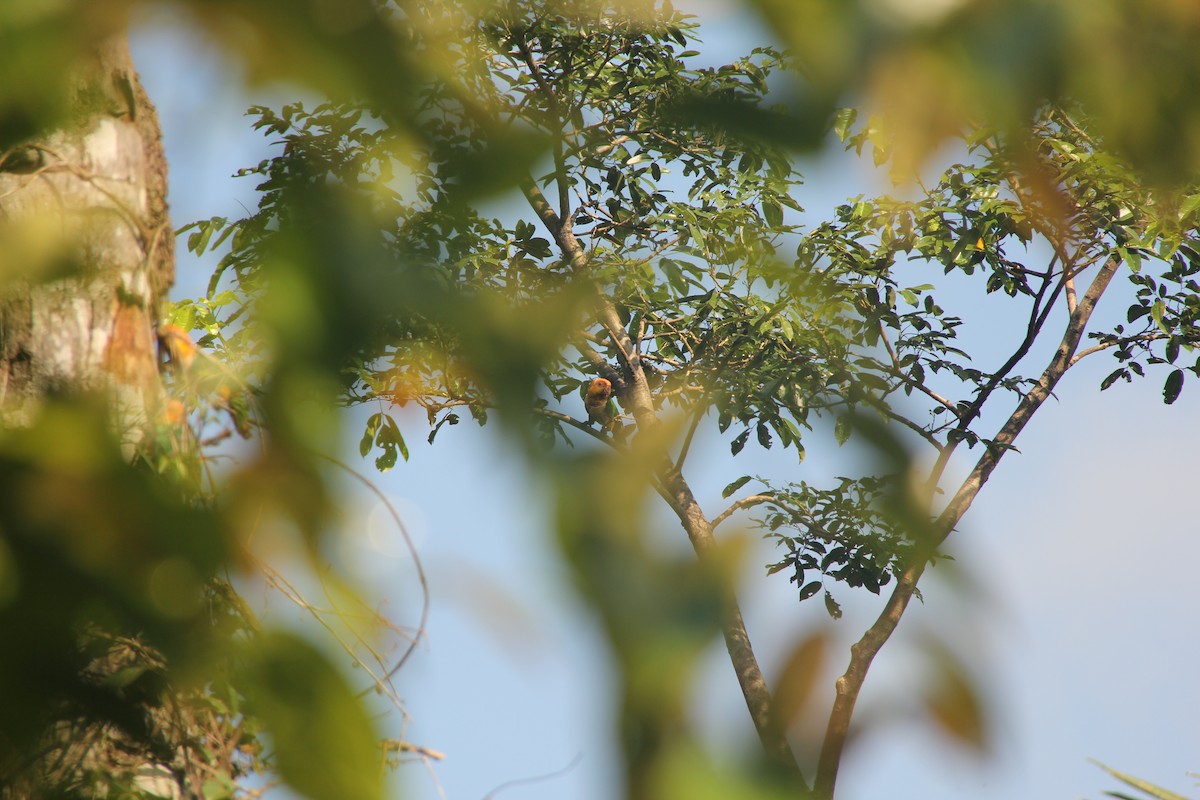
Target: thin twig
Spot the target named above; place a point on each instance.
(412, 550)
(536, 778)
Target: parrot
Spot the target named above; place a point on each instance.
(599, 403)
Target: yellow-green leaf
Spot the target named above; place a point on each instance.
(325, 745)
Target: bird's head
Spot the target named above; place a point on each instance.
(599, 390)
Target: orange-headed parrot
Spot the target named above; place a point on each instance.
(599, 403)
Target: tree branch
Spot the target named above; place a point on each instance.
(1141, 337)
(1037, 321)
(908, 380)
(864, 651)
(737, 639)
(577, 424)
(745, 502)
(675, 490)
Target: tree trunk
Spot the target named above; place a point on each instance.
(90, 251)
(87, 258)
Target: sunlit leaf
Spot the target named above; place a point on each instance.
(1149, 788)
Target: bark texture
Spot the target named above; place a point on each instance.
(89, 252)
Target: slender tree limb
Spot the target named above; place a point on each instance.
(864, 651)
(745, 502)
(675, 490)
(1142, 337)
(697, 415)
(737, 640)
(912, 426)
(1037, 321)
(1033, 400)
(398, 521)
(577, 424)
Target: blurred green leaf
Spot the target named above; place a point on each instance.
(325, 746)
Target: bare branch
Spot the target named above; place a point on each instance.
(737, 639)
(1141, 337)
(914, 427)
(574, 423)
(1037, 321)
(745, 502)
(697, 415)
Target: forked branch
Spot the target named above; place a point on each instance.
(864, 651)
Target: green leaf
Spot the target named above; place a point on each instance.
(1189, 206)
(223, 298)
(764, 435)
(386, 460)
(737, 444)
(1172, 350)
(401, 444)
(198, 240)
(219, 789)
(1112, 378)
(1156, 313)
(325, 745)
(125, 677)
(733, 487)
(773, 214)
(368, 438)
(842, 429)
(831, 606)
(843, 120)
(183, 316)
(1173, 386)
(810, 589)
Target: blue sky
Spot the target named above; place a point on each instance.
(1074, 594)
